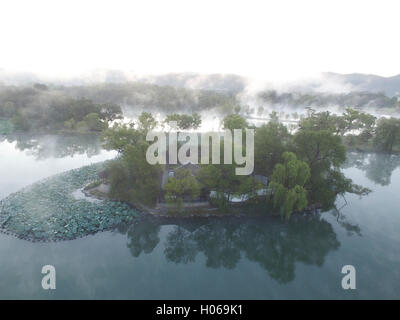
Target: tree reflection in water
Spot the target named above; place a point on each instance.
(143, 237)
(277, 246)
(58, 146)
(378, 167)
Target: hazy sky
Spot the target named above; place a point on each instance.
(269, 39)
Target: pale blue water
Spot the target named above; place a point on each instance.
(213, 258)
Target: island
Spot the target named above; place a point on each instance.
(297, 169)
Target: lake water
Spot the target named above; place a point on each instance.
(207, 258)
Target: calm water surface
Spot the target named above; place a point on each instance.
(208, 258)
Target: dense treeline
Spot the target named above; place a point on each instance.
(41, 109)
(135, 96)
(83, 107)
(323, 100)
(359, 130)
(93, 107)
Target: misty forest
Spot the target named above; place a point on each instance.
(326, 165)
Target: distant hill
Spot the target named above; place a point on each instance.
(190, 80)
(368, 82)
(355, 82)
(214, 82)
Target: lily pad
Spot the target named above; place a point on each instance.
(47, 210)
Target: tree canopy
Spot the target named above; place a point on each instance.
(184, 121)
(182, 185)
(287, 182)
(387, 134)
(234, 121)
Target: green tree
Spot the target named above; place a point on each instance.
(387, 134)
(110, 112)
(324, 152)
(287, 182)
(351, 116)
(322, 149)
(234, 121)
(135, 180)
(146, 122)
(184, 121)
(270, 141)
(196, 120)
(120, 184)
(324, 120)
(70, 124)
(143, 177)
(182, 185)
(119, 136)
(88, 115)
(222, 179)
(94, 123)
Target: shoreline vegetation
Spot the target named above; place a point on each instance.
(297, 165)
